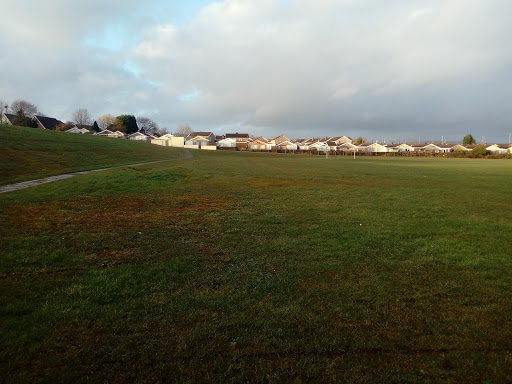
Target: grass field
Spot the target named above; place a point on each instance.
(233, 267)
(29, 153)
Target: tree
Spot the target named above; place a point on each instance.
(95, 126)
(468, 139)
(359, 141)
(479, 151)
(27, 109)
(128, 124)
(105, 121)
(149, 126)
(82, 117)
(183, 130)
(23, 121)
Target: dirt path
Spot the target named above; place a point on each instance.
(33, 183)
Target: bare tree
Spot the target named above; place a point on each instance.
(105, 121)
(183, 130)
(150, 127)
(82, 117)
(23, 107)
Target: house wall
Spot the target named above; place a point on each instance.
(177, 141)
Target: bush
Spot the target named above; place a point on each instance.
(478, 151)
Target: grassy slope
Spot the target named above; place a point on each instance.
(28, 153)
(246, 267)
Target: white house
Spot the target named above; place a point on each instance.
(376, 148)
(287, 145)
(226, 143)
(498, 148)
(438, 148)
(139, 136)
(108, 133)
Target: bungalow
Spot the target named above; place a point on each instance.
(333, 146)
(76, 129)
(238, 137)
(49, 123)
(108, 133)
(319, 146)
(169, 140)
(259, 144)
(200, 138)
(376, 148)
(302, 144)
(7, 118)
(404, 147)
(498, 148)
(438, 147)
(226, 143)
(340, 140)
(347, 147)
(73, 130)
(286, 146)
(138, 136)
(277, 140)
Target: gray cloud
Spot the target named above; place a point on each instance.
(399, 69)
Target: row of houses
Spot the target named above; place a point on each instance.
(243, 142)
(51, 123)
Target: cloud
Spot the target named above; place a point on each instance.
(298, 66)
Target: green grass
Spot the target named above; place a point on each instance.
(233, 267)
(29, 153)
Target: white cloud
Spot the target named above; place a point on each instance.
(338, 66)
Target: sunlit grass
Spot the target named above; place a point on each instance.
(247, 267)
(31, 153)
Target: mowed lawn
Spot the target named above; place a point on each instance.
(238, 267)
(31, 153)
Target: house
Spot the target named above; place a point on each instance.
(138, 136)
(340, 140)
(238, 137)
(347, 147)
(259, 144)
(404, 147)
(200, 138)
(286, 146)
(108, 133)
(438, 147)
(49, 123)
(276, 140)
(7, 118)
(319, 146)
(333, 146)
(169, 140)
(498, 148)
(226, 143)
(376, 148)
(75, 129)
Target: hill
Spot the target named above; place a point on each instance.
(29, 153)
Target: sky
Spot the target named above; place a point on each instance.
(395, 70)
